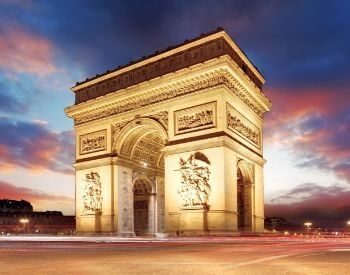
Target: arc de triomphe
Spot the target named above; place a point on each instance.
(172, 143)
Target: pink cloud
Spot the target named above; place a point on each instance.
(35, 147)
(292, 105)
(23, 52)
(10, 191)
(41, 201)
(314, 125)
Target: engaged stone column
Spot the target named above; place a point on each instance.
(160, 205)
(151, 213)
(125, 203)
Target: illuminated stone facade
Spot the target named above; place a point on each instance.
(172, 143)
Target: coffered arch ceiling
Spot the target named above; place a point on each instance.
(148, 149)
(144, 146)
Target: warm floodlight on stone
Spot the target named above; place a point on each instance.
(172, 143)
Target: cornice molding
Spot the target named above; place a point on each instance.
(98, 162)
(175, 50)
(226, 141)
(221, 74)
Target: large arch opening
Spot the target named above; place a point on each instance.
(244, 198)
(139, 148)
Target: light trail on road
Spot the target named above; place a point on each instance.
(42, 255)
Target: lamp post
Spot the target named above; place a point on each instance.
(308, 225)
(24, 222)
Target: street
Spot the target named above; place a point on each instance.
(235, 255)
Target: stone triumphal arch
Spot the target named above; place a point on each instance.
(172, 143)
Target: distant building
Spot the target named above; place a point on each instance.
(19, 217)
(278, 223)
(11, 206)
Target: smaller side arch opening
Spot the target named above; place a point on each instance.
(143, 206)
(244, 197)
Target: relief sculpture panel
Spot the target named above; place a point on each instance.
(194, 189)
(93, 142)
(195, 118)
(241, 125)
(92, 196)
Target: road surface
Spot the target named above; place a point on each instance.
(236, 255)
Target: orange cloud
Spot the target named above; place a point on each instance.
(24, 52)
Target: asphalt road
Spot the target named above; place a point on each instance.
(240, 255)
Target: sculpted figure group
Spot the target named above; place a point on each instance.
(92, 193)
(194, 188)
(202, 118)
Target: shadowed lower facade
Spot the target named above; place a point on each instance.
(172, 143)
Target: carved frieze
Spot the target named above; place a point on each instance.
(195, 118)
(194, 189)
(241, 125)
(93, 142)
(118, 127)
(92, 197)
(162, 118)
(217, 78)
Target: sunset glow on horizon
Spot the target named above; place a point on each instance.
(301, 49)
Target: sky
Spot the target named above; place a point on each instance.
(301, 47)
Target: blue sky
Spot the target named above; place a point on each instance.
(301, 47)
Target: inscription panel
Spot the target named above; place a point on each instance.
(93, 142)
(237, 123)
(195, 118)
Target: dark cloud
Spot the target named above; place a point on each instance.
(324, 206)
(298, 45)
(310, 191)
(301, 47)
(325, 145)
(33, 146)
(310, 41)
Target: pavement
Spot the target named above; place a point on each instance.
(229, 255)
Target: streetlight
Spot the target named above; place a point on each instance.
(308, 224)
(24, 222)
